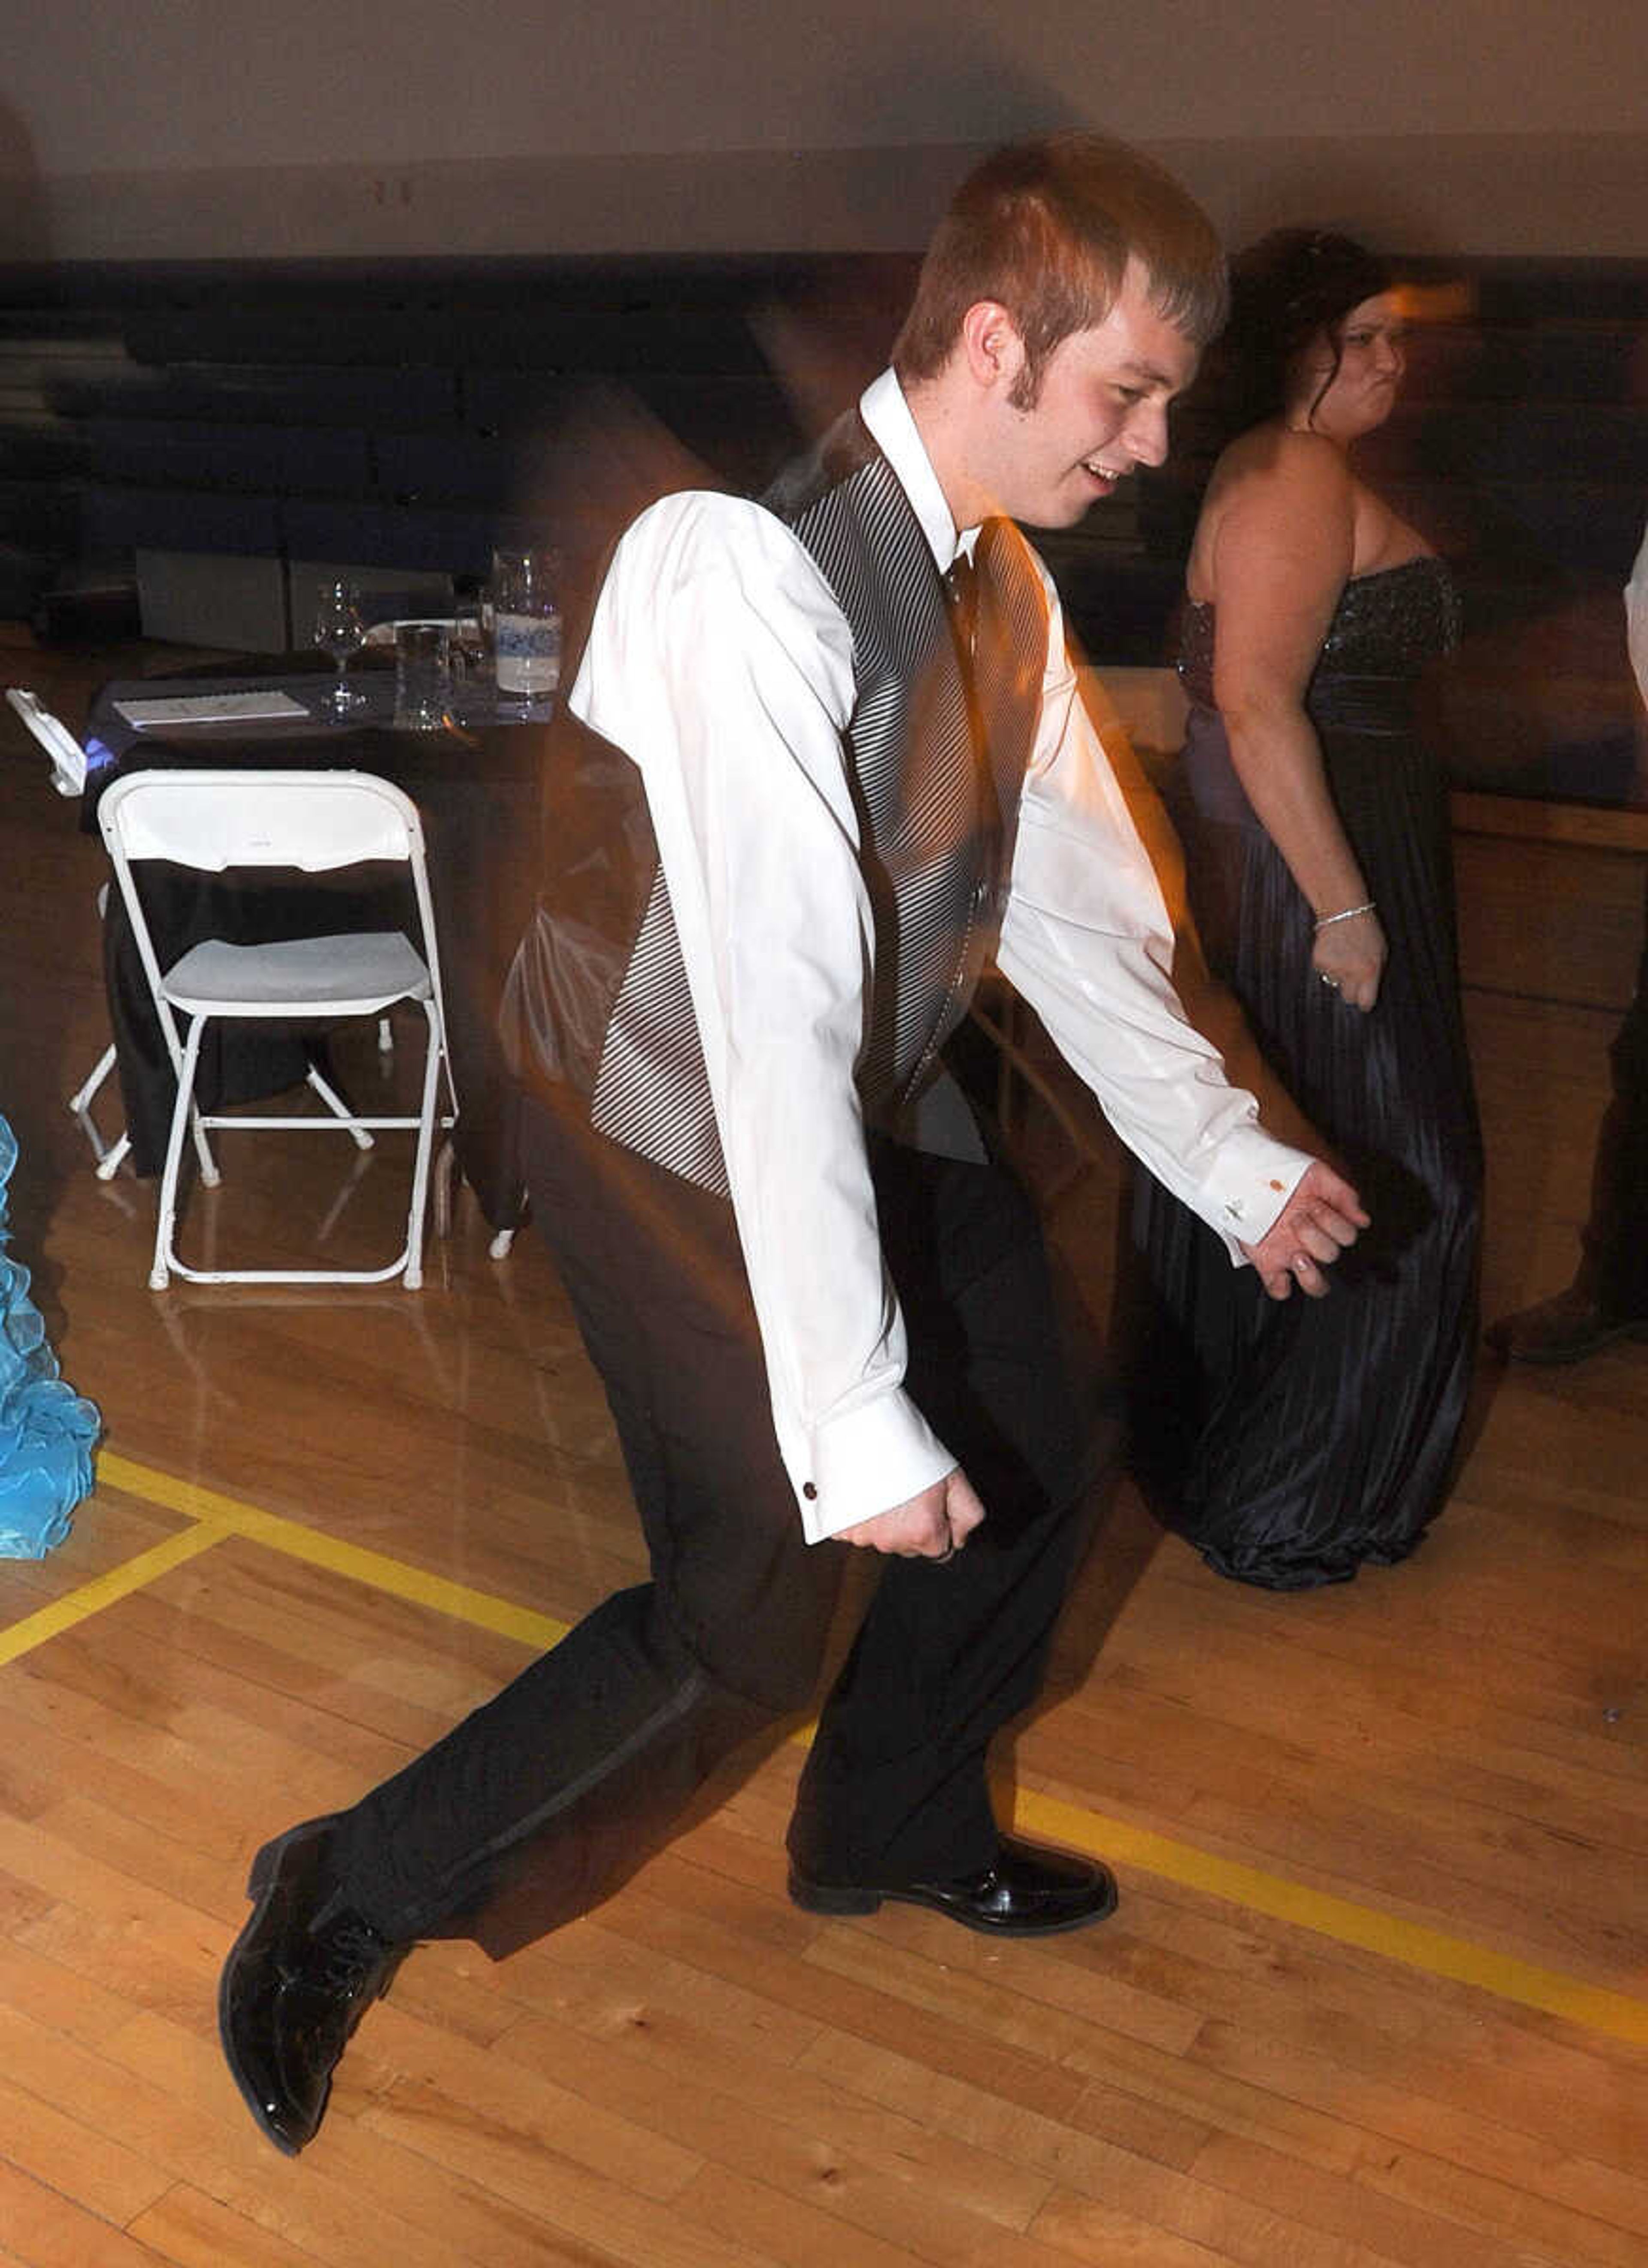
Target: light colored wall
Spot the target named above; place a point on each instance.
(224, 128)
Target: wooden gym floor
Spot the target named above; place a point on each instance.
(1377, 1989)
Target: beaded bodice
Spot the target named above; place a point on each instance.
(1387, 625)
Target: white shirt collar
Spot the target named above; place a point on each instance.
(886, 413)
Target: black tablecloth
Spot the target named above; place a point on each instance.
(476, 790)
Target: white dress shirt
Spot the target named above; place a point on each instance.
(719, 661)
(1636, 617)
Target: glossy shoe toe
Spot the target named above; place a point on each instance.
(296, 1984)
(1028, 1892)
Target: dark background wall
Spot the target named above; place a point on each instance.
(287, 287)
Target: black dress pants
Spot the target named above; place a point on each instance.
(539, 1803)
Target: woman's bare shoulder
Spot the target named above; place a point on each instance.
(1278, 456)
(1273, 487)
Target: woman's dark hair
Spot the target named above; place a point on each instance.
(1292, 285)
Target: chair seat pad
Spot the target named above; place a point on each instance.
(353, 975)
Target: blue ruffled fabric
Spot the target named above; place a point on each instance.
(46, 1430)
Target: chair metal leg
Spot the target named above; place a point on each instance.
(80, 1101)
(111, 1156)
(182, 1112)
(433, 1058)
(209, 1170)
(339, 1109)
(108, 1156)
(112, 1159)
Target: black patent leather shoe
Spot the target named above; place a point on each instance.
(294, 1989)
(1028, 1892)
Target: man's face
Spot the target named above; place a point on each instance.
(1101, 411)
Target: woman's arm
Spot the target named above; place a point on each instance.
(1281, 555)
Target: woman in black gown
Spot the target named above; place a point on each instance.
(1293, 1443)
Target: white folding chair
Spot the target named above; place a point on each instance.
(68, 777)
(315, 822)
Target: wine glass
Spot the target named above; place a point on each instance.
(341, 631)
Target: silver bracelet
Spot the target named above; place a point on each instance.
(1349, 914)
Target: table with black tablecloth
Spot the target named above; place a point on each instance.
(475, 785)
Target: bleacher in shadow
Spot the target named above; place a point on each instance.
(397, 417)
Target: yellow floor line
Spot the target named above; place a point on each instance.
(105, 1590)
(1410, 1945)
(230, 1517)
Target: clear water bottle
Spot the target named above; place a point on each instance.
(526, 626)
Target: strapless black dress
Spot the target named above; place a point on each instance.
(1292, 1441)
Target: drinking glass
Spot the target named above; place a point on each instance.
(341, 630)
(423, 676)
(471, 657)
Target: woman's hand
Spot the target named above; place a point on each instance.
(1349, 956)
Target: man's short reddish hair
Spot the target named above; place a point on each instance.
(1047, 228)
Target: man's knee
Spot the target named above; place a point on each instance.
(764, 1645)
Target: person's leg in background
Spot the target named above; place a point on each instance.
(1608, 1297)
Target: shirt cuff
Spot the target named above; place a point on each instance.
(866, 1461)
(1250, 1185)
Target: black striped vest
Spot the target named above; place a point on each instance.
(935, 756)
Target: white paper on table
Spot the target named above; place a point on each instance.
(210, 709)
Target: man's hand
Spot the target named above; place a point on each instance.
(930, 1526)
(1323, 1216)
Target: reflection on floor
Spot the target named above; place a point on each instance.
(1378, 1988)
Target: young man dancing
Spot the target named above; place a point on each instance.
(825, 755)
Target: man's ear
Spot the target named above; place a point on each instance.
(991, 346)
